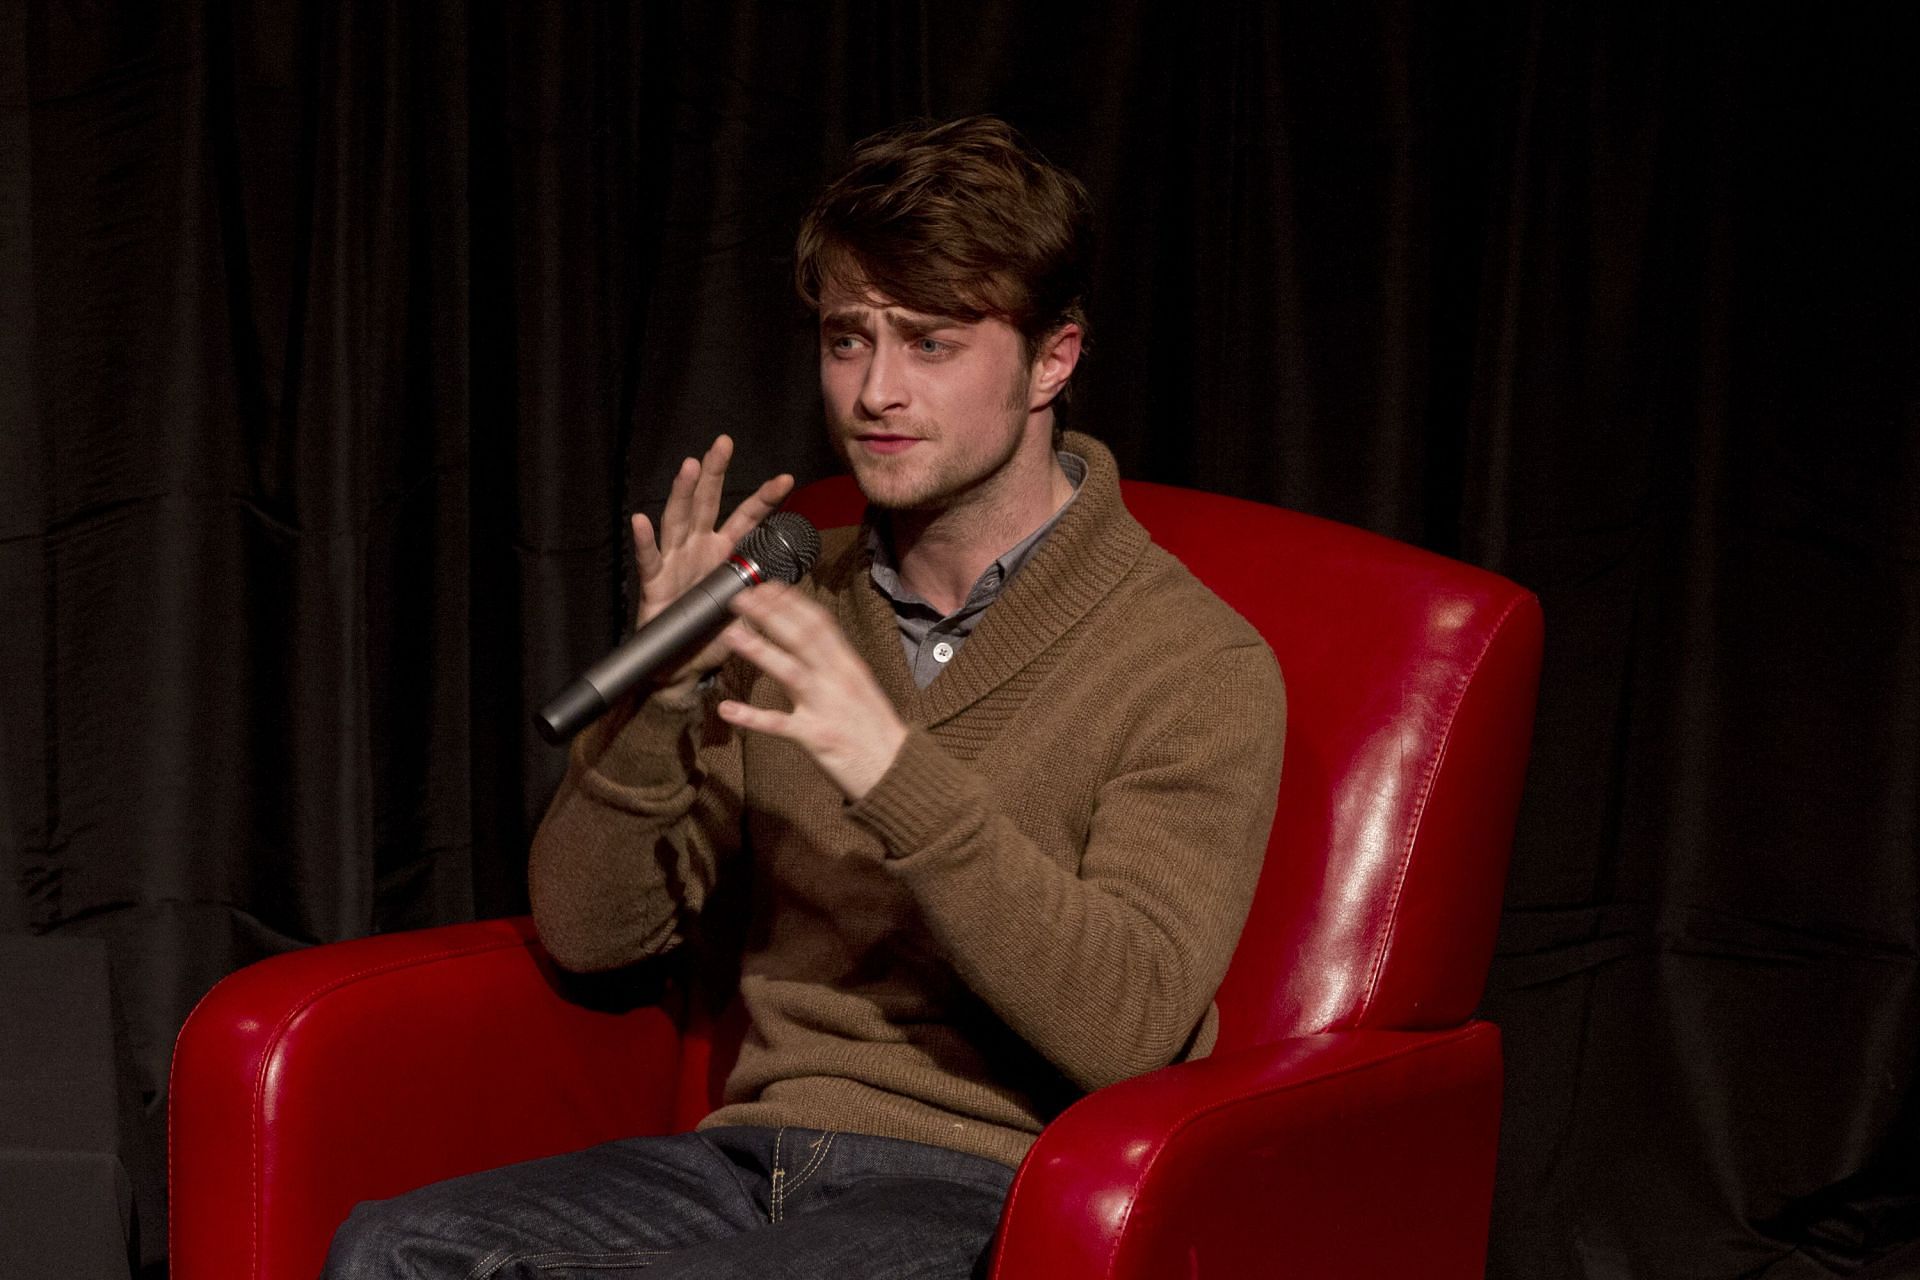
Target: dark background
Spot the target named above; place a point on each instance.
(335, 339)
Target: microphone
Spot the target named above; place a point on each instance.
(784, 547)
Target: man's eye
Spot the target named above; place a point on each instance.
(842, 344)
(931, 347)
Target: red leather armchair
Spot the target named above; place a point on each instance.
(1344, 1126)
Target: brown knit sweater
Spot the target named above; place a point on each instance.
(1039, 898)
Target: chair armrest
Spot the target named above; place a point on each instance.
(316, 1079)
(1354, 1154)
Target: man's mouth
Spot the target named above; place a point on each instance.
(885, 442)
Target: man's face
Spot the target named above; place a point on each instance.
(926, 410)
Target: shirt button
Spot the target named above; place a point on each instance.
(943, 652)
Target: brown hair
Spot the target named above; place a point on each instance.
(962, 219)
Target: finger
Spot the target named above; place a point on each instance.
(755, 507)
(646, 555)
(787, 669)
(759, 719)
(677, 520)
(786, 616)
(711, 483)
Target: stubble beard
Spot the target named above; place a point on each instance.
(897, 484)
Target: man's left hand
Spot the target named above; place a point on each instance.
(840, 715)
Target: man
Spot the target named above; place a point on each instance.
(995, 781)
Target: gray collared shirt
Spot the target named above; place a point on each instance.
(932, 640)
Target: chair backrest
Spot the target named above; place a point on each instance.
(1410, 696)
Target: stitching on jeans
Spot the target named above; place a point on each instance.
(779, 1177)
(490, 1264)
(820, 1149)
(560, 1258)
(813, 1165)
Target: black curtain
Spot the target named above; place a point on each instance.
(336, 339)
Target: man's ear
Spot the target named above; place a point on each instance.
(1053, 364)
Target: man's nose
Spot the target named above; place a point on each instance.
(884, 389)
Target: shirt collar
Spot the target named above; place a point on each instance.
(994, 578)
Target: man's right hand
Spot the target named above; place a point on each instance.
(690, 547)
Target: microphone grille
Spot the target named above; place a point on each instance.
(784, 546)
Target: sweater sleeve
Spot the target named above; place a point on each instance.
(636, 836)
(1106, 969)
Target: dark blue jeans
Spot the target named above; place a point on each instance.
(739, 1202)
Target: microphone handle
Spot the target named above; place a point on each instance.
(676, 631)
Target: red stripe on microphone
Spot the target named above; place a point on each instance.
(747, 567)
